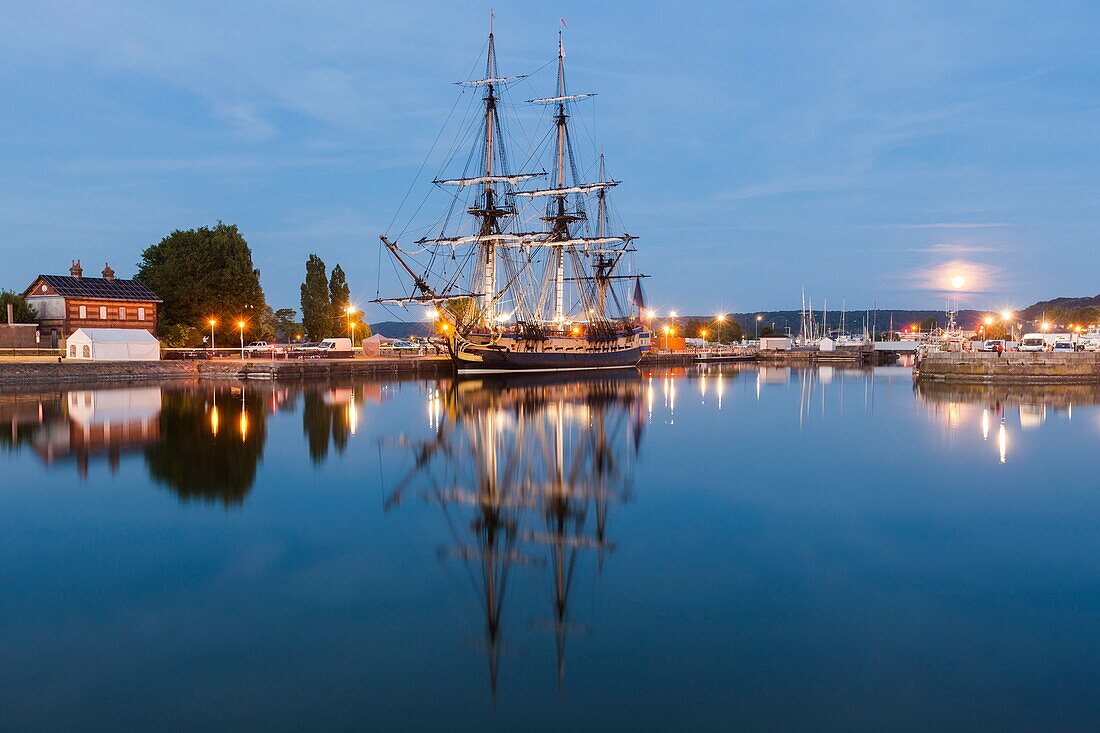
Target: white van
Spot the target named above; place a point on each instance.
(1043, 341)
(1033, 342)
(335, 348)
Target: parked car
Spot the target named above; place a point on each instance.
(306, 349)
(992, 345)
(188, 354)
(263, 348)
(1064, 345)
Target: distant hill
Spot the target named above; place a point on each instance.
(399, 329)
(1065, 310)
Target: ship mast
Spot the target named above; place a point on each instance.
(561, 226)
(489, 217)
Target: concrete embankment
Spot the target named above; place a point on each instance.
(38, 372)
(1019, 367)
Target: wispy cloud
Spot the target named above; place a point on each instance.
(957, 278)
(958, 249)
(958, 225)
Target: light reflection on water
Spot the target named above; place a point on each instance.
(683, 548)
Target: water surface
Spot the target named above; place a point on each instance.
(697, 549)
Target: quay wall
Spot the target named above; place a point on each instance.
(840, 356)
(1012, 366)
(52, 372)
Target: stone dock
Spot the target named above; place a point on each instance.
(51, 372)
(1011, 367)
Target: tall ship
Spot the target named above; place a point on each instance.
(527, 269)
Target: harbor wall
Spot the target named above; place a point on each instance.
(1012, 366)
(52, 372)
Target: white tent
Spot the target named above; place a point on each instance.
(112, 344)
(373, 346)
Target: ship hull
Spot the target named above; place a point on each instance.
(476, 359)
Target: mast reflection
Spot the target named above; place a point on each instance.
(520, 467)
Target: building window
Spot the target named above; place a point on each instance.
(87, 351)
(122, 313)
(83, 312)
(72, 350)
(141, 314)
(103, 313)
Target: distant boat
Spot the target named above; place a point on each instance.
(524, 279)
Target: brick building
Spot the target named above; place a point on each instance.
(65, 303)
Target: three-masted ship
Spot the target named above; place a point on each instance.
(524, 278)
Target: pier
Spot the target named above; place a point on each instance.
(51, 372)
(1011, 366)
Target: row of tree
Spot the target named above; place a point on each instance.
(326, 303)
(207, 274)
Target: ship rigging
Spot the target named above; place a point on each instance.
(518, 275)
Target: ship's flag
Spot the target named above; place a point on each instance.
(638, 298)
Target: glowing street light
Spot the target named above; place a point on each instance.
(1046, 325)
(1006, 316)
(212, 323)
(758, 319)
(240, 325)
(650, 314)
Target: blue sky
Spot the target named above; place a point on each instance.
(862, 150)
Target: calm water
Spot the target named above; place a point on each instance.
(762, 549)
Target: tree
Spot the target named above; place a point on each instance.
(316, 303)
(339, 292)
(22, 310)
(201, 274)
(286, 328)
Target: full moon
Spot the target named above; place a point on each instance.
(958, 281)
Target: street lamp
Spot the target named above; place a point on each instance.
(758, 319)
(351, 329)
(1006, 316)
(212, 323)
(240, 325)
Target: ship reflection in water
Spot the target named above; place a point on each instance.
(678, 549)
(525, 471)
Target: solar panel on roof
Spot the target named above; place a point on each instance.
(97, 288)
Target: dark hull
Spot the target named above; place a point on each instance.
(499, 360)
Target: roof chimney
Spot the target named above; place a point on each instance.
(76, 270)
(108, 273)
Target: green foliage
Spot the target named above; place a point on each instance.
(725, 331)
(201, 274)
(1079, 316)
(339, 292)
(928, 324)
(22, 310)
(316, 303)
(768, 330)
(286, 328)
(179, 335)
